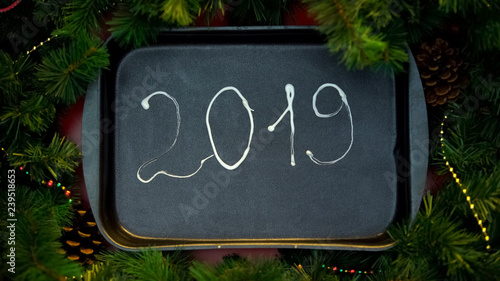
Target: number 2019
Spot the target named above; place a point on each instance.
(290, 95)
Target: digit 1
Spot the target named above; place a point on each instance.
(328, 115)
(290, 94)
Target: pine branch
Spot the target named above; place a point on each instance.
(484, 192)
(436, 240)
(486, 34)
(313, 260)
(472, 135)
(356, 38)
(310, 265)
(180, 12)
(148, 265)
(251, 12)
(380, 12)
(421, 18)
(10, 84)
(211, 7)
(46, 11)
(35, 114)
(239, 269)
(465, 154)
(65, 73)
(152, 9)
(102, 271)
(57, 158)
(134, 30)
(313, 272)
(388, 271)
(8, 79)
(465, 6)
(83, 15)
(38, 231)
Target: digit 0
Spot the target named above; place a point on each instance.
(250, 116)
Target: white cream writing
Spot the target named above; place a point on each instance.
(320, 115)
(290, 94)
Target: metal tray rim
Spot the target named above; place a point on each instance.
(126, 240)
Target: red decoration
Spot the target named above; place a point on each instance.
(216, 256)
(10, 7)
(220, 19)
(352, 271)
(70, 122)
(299, 15)
(50, 183)
(435, 182)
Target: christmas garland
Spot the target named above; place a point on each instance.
(54, 49)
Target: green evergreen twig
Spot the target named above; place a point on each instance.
(66, 72)
(144, 265)
(353, 32)
(40, 215)
(240, 269)
(180, 12)
(82, 16)
(211, 7)
(134, 30)
(35, 114)
(59, 157)
(250, 12)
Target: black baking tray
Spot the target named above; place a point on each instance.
(265, 202)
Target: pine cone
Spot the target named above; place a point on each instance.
(442, 72)
(82, 240)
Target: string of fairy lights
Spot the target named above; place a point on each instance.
(465, 191)
(48, 182)
(40, 44)
(341, 270)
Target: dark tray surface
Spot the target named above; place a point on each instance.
(265, 202)
(266, 197)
